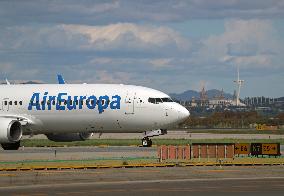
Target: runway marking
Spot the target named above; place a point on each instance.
(72, 193)
(109, 190)
(278, 185)
(21, 194)
(218, 171)
(8, 175)
(245, 186)
(143, 171)
(67, 172)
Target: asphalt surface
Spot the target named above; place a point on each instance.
(76, 153)
(259, 181)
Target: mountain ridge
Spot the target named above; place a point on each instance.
(189, 94)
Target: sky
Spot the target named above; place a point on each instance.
(169, 45)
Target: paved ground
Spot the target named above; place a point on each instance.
(180, 134)
(259, 181)
(76, 153)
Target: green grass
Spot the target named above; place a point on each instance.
(127, 142)
(235, 131)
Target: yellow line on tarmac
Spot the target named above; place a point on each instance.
(142, 171)
(108, 190)
(219, 171)
(57, 172)
(10, 175)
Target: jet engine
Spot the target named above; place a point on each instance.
(69, 137)
(10, 130)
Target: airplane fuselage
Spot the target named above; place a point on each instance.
(69, 108)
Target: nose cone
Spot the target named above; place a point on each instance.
(183, 113)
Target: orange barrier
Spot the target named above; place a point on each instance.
(212, 150)
(174, 152)
(205, 151)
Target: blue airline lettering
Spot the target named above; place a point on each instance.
(65, 102)
(71, 104)
(91, 102)
(59, 101)
(34, 102)
(115, 104)
(103, 105)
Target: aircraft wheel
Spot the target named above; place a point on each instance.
(11, 146)
(146, 142)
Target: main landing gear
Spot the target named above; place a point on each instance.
(146, 141)
(11, 146)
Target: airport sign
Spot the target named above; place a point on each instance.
(242, 148)
(265, 149)
(270, 149)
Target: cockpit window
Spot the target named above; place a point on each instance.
(159, 100)
(167, 99)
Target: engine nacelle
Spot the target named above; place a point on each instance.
(11, 130)
(69, 137)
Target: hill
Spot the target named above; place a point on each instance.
(187, 95)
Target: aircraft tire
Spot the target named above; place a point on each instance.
(146, 142)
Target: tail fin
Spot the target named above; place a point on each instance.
(60, 79)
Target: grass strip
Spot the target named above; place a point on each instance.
(137, 142)
(236, 131)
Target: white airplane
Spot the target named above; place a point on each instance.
(73, 112)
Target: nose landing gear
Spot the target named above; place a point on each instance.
(146, 142)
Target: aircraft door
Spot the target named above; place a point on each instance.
(5, 104)
(130, 103)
